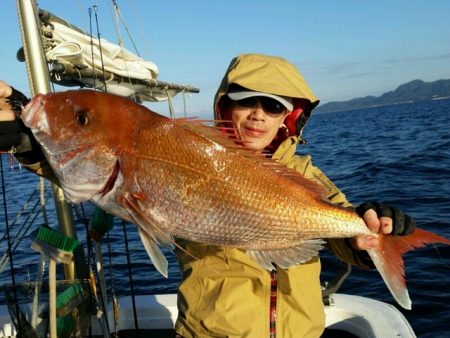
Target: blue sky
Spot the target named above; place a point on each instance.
(345, 48)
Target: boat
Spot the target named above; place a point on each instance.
(71, 57)
(346, 316)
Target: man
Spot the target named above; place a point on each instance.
(224, 292)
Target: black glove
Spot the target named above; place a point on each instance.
(10, 131)
(402, 224)
(9, 135)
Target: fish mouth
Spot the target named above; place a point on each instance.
(33, 114)
(111, 180)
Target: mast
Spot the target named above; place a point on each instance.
(39, 81)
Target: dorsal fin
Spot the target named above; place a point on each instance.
(227, 137)
(218, 131)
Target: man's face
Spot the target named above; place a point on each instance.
(257, 125)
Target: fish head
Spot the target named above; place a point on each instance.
(77, 131)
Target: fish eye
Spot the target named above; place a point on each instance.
(82, 119)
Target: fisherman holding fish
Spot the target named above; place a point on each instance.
(224, 292)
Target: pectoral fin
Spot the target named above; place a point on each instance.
(155, 253)
(151, 234)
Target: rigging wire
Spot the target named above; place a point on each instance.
(93, 275)
(82, 13)
(116, 16)
(111, 281)
(119, 14)
(20, 235)
(21, 211)
(11, 260)
(92, 258)
(130, 277)
(42, 199)
(141, 30)
(92, 47)
(100, 47)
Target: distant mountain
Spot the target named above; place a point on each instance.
(416, 90)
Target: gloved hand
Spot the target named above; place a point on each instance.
(14, 136)
(402, 224)
(11, 102)
(11, 99)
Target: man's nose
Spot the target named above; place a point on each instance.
(258, 112)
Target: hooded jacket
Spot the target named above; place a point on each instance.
(224, 293)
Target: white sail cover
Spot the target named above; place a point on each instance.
(76, 48)
(67, 44)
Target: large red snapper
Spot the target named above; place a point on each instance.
(178, 178)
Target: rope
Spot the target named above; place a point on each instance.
(185, 103)
(170, 103)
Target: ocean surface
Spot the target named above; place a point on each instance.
(397, 154)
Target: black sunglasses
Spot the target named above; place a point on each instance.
(268, 104)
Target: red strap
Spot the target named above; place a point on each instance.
(273, 303)
(11, 158)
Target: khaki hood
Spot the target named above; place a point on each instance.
(269, 74)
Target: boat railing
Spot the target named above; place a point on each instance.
(331, 287)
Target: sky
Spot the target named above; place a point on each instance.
(343, 48)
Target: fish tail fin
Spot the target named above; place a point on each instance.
(389, 262)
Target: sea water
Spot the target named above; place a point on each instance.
(397, 154)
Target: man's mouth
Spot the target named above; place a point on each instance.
(255, 132)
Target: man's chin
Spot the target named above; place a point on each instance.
(254, 144)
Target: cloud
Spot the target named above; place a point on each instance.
(418, 58)
(329, 69)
